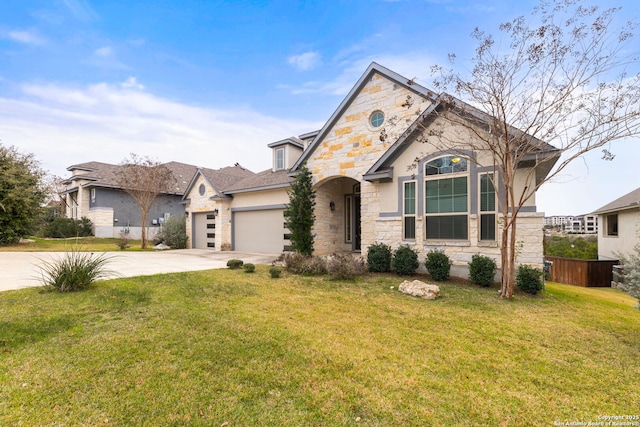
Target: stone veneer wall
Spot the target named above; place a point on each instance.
(351, 147)
(103, 226)
(202, 204)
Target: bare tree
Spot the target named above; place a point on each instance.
(567, 77)
(144, 180)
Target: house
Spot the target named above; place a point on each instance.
(375, 181)
(619, 229)
(93, 191)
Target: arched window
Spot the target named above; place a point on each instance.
(447, 198)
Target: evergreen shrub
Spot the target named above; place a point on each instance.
(379, 258)
(529, 279)
(482, 270)
(405, 261)
(438, 265)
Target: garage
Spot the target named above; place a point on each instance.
(204, 230)
(259, 231)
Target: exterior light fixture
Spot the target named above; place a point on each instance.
(332, 206)
(215, 212)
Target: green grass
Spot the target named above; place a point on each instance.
(224, 347)
(92, 244)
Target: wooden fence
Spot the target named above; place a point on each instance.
(581, 272)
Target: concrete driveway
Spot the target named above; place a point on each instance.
(21, 269)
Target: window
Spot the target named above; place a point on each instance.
(201, 189)
(612, 225)
(409, 211)
(446, 199)
(487, 208)
(280, 159)
(93, 195)
(348, 220)
(376, 119)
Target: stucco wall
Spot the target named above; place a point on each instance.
(628, 235)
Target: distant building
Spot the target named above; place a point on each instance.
(620, 230)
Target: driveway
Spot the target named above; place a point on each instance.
(20, 269)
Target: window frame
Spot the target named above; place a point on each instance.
(487, 212)
(409, 215)
(379, 118)
(279, 161)
(453, 216)
(608, 225)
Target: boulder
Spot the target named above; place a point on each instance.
(419, 289)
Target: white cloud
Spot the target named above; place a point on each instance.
(132, 83)
(305, 61)
(65, 125)
(105, 51)
(26, 37)
(81, 9)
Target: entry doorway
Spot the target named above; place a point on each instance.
(353, 229)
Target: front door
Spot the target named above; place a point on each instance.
(356, 223)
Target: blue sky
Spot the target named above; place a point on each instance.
(211, 83)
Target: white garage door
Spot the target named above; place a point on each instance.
(204, 231)
(260, 231)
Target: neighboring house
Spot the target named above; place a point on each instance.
(619, 229)
(372, 187)
(93, 191)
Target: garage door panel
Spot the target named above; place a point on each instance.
(259, 231)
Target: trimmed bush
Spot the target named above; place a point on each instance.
(438, 265)
(275, 272)
(482, 270)
(346, 267)
(75, 271)
(529, 279)
(379, 258)
(405, 261)
(249, 268)
(235, 264)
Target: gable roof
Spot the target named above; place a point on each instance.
(353, 93)
(219, 179)
(544, 155)
(628, 201)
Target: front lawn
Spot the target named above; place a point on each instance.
(92, 244)
(228, 348)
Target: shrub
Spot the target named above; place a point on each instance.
(235, 264)
(174, 232)
(75, 271)
(529, 279)
(405, 261)
(438, 265)
(305, 265)
(346, 267)
(275, 272)
(123, 241)
(249, 268)
(379, 258)
(62, 228)
(482, 270)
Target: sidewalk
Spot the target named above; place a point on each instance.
(20, 269)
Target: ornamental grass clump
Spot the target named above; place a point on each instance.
(75, 271)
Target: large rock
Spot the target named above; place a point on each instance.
(419, 289)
